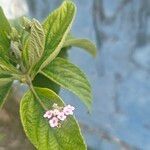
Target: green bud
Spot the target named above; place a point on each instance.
(23, 80)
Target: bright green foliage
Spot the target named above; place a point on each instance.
(56, 26)
(25, 50)
(35, 54)
(4, 32)
(36, 42)
(42, 81)
(5, 65)
(81, 43)
(5, 85)
(38, 130)
(69, 76)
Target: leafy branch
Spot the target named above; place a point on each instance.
(34, 53)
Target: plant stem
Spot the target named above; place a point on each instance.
(35, 94)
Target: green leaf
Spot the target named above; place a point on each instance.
(5, 78)
(38, 130)
(42, 81)
(82, 43)
(57, 26)
(25, 48)
(5, 30)
(70, 77)
(5, 86)
(36, 43)
(5, 65)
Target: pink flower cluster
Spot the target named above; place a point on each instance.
(58, 114)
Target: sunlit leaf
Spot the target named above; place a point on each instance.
(5, 86)
(57, 26)
(82, 43)
(4, 33)
(70, 77)
(36, 43)
(38, 130)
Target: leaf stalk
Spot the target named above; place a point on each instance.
(29, 82)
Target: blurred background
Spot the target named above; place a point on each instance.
(120, 74)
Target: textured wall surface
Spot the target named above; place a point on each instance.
(120, 74)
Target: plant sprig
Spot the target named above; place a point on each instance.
(30, 54)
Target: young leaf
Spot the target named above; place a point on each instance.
(56, 26)
(25, 49)
(5, 86)
(36, 42)
(82, 43)
(37, 128)
(70, 77)
(5, 30)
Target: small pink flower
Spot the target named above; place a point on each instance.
(67, 111)
(70, 107)
(61, 116)
(48, 114)
(53, 122)
(56, 112)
